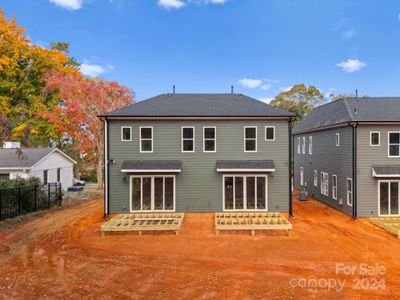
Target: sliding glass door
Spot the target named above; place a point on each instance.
(152, 193)
(389, 197)
(245, 192)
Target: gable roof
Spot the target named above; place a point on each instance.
(375, 109)
(199, 105)
(25, 158)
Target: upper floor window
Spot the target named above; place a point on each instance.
(250, 139)
(270, 133)
(187, 139)
(303, 148)
(146, 139)
(298, 145)
(337, 139)
(374, 138)
(209, 139)
(394, 144)
(310, 145)
(126, 133)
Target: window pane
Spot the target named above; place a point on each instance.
(260, 192)
(187, 133)
(136, 187)
(126, 134)
(394, 150)
(146, 133)
(394, 198)
(188, 145)
(251, 133)
(251, 192)
(209, 145)
(374, 138)
(384, 198)
(228, 185)
(270, 133)
(209, 133)
(146, 145)
(158, 193)
(394, 138)
(169, 193)
(238, 192)
(250, 145)
(146, 193)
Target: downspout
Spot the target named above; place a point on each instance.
(290, 168)
(354, 125)
(105, 175)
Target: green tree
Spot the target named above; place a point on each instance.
(300, 99)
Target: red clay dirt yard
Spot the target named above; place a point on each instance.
(61, 254)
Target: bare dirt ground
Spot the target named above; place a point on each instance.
(61, 254)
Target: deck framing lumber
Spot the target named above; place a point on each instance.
(390, 224)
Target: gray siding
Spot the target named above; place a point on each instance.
(326, 157)
(199, 186)
(367, 187)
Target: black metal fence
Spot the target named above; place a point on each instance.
(19, 201)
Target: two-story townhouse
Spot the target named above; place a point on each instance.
(197, 152)
(347, 154)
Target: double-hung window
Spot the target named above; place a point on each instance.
(394, 143)
(250, 139)
(146, 139)
(126, 133)
(337, 139)
(334, 187)
(310, 145)
(303, 148)
(374, 138)
(324, 184)
(315, 178)
(209, 139)
(349, 187)
(270, 133)
(188, 139)
(298, 145)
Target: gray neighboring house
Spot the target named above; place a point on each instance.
(347, 154)
(48, 164)
(197, 153)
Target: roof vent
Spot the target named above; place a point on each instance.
(173, 89)
(232, 89)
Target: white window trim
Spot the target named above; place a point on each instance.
(188, 139)
(370, 138)
(315, 178)
(323, 184)
(337, 139)
(265, 132)
(244, 191)
(334, 188)
(204, 139)
(298, 145)
(301, 176)
(152, 192)
(349, 192)
(244, 139)
(310, 145)
(122, 133)
(140, 138)
(379, 198)
(395, 156)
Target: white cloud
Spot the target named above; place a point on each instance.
(218, 1)
(168, 4)
(91, 70)
(352, 65)
(68, 4)
(348, 34)
(266, 86)
(250, 83)
(266, 99)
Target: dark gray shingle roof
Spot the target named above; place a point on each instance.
(386, 170)
(245, 164)
(203, 105)
(374, 109)
(23, 157)
(151, 165)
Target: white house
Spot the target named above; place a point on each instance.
(48, 164)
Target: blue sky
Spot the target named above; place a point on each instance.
(260, 46)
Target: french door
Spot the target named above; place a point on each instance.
(245, 192)
(388, 197)
(152, 193)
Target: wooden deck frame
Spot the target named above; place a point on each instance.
(139, 222)
(391, 224)
(251, 221)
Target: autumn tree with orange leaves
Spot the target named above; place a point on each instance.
(83, 99)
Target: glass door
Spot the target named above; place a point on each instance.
(389, 198)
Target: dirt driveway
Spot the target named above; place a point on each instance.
(62, 255)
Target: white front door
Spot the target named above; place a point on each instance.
(388, 197)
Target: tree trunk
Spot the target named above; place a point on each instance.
(100, 160)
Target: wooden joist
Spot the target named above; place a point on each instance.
(139, 222)
(251, 221)
(388, 223)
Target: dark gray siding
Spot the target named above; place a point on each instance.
(367, 187)
(326, 157)
(199, 186)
